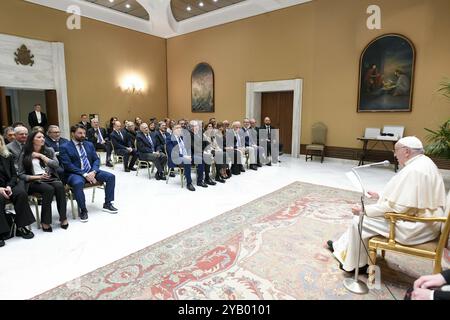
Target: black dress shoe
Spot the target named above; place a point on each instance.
(108, 207)
(220, 179)
(157, 177)
(242, 168)
(190, 187)
(109, 164)
(65, 226)
(330, 245)
(127, 170)
(84, 216)
(132, 169)
(172, 175)
(202, 184)
(2, 243)
(24, 233)
(259, 164)
(253, 167)
(210, 182)
(269, 164)
(49, 229)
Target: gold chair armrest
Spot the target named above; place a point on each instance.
(398, 216)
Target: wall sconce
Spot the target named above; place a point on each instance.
(132, 84)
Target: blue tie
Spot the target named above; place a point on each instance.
(151, 142)
(84, 159)
(100, 137)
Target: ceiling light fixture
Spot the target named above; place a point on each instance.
(189, 8)
(128, 6)
(201, 4)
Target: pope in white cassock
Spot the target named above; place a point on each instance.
(417, 190)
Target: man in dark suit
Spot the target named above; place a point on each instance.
(37, 118)
(149, 150)
(81, 165)
(161, 135)
(11, 190)
(54, 139)
(179, 153)
(84, 120)
(198, 145)
(123, 147)
(268, 138)
(100, 138)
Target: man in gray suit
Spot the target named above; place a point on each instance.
(15, 147)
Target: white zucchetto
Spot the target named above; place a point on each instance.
(411, 142)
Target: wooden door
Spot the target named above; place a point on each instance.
(278, 106)
(51, 104)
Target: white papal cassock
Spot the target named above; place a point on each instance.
(417, 190)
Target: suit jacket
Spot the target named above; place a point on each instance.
(241, 136)
(174, 150)
(132, 135)
(263, 127)
(87, 125)
(33, 121)
(53, 166)
(91, 135)
(8, 173)
(55, 145)
(161, 139)
(16, 149)
(71, 159)
(118, 142)
(144, 146)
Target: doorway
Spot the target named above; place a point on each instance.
(254, 93)
(16, 104)
(278, 107)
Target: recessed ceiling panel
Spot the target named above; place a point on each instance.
(131, 7)
(186, 9)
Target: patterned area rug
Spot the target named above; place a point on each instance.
(271, 248)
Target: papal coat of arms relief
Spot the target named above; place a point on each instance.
(24, 56)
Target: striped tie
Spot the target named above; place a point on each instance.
(84, 159)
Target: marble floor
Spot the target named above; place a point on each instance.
(150, 211)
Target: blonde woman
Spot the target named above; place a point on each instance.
(12, 190)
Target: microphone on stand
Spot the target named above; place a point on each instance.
(384, 163)
(355, 285)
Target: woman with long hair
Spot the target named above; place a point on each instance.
(111, 124)
(38, 168)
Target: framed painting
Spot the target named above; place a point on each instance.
(386, 75)
(203, 88)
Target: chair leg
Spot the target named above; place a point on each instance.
(149, 171)
(437, 266)
(74, 213)
(93, 194)
(138, 167)
(372, 262)
(38, 215)
(182, 178)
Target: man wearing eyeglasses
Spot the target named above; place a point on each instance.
(54, 139)
(417, 190)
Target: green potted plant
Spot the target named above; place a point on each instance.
(439, 140)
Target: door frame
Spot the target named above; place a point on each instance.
(47, 73)
(254, 92)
